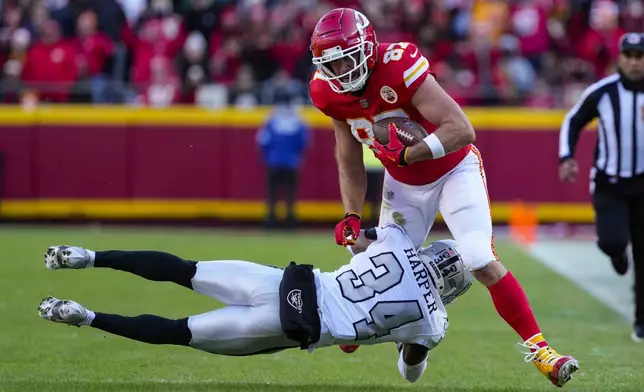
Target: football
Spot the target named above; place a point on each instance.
(409, 132)
(349, 348)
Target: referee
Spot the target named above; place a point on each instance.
(617, 176)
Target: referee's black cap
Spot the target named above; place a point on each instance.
(631, 42)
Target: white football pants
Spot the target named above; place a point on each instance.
(461, 197)
(250, 324)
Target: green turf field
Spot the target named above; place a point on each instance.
(478, 354)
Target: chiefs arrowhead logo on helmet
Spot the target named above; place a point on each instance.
(344, 49)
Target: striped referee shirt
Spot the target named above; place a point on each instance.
(620, 132)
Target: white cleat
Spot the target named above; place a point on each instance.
(63, 256)
(63, 311)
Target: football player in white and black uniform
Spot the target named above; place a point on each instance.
(387, 293)
(384, 294)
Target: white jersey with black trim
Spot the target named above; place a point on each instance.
(384, 294)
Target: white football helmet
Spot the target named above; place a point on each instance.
(446, 266)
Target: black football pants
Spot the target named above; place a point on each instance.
(620, 220)
(284, 179)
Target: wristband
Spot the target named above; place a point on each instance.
(435, 146)
(348, 214)
(403, 157)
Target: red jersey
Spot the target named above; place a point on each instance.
(399, 71)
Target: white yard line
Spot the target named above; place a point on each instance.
(584, 265)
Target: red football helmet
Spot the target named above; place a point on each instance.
(344, 33)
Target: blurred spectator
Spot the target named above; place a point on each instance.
(201, 15)
(225, 60)
(14, 64)
(516, 74)
(11, 21)
(164, 88)
(281, 84)
(193, 66)
(633, 15)
(61, 12)
(243, 93)
(259, 56)
(530, 24)
(39, 15)
(50, 67)
(577, 75)
(283, 141)
(161, 34)
(541, 96)
(480, 55)
(95, 49)
(226, 47)
(110, 15)
(132, 9)
(289, 49)
(456, 82)
(495, 50)
(489, 19)
(599, 45)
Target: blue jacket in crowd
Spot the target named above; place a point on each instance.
(283, 139)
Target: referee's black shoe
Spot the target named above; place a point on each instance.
(620, 263)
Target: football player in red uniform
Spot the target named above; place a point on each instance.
(360, 81)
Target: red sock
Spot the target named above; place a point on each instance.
(513, 306)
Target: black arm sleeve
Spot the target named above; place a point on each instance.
(576, 119)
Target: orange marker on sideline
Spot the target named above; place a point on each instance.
(523, 223)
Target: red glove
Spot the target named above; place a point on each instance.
(394, 153)
(347, 231)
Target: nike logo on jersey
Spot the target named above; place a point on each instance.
(414, 54)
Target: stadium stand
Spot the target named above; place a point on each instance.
(214, 53)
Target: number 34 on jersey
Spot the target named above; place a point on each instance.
(384, 294)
